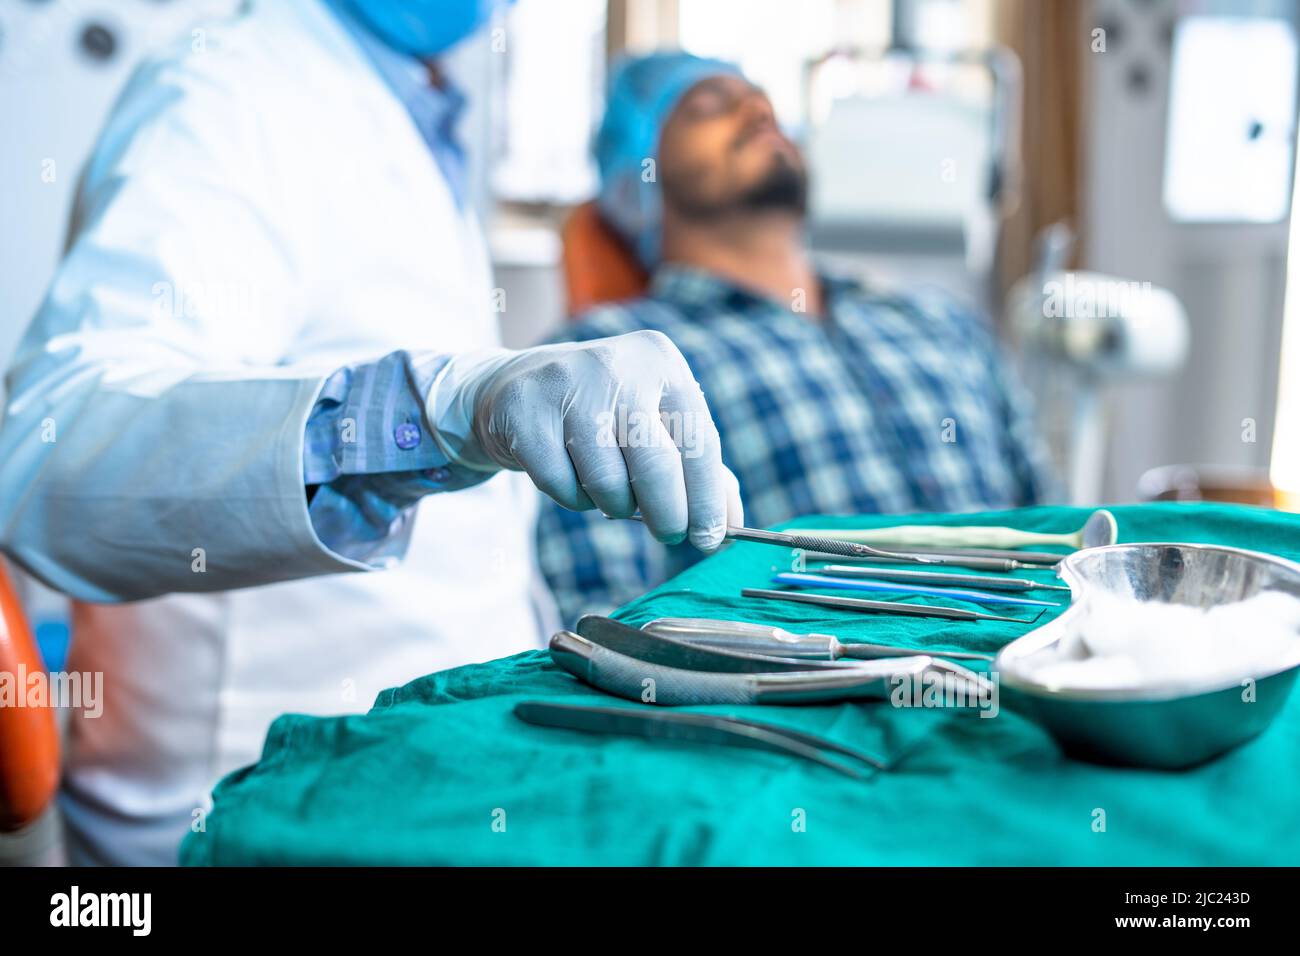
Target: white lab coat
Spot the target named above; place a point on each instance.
(260, 211)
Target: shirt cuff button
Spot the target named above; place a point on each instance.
(407, 435)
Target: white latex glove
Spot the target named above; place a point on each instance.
(616, 424)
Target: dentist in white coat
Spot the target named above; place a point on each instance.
(255, 429)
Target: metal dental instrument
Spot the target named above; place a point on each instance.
(1100, 529)
(988, 581)
(954, 559)
(970, 595)
(847, 549)
(885, 607)
(1034, 558)
(640, 680)
(695, 728)
(665, 650)
(739, 636)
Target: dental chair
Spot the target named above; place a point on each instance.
(598, 266)
(29, 738)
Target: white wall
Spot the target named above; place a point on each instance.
(53, 100)
(1230, 278)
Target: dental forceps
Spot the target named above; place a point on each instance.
(695, 728)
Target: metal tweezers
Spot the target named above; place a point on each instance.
(697, 728)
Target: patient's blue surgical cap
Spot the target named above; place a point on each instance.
(642, 93)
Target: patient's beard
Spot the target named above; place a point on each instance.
(783, 188)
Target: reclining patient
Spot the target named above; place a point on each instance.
(830, 397)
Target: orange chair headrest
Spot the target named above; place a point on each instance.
(598, 266)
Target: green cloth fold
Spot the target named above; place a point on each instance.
(440, 771)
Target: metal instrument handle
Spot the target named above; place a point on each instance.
(745, 637)
(655, 648)
(989, 581)
(634, 679)
(693, 728)
(637, 680)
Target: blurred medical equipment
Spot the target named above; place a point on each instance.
(1077, 333)
(969, 595)
(1171, 724)
(1100, 529)
(879, 607)
(1242, 484)
(778, 642)
(989, 581)
(694, 728)
(913, 157)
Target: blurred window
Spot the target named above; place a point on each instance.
(554, 73)
(550, 70)
(773, 40)
(1231, 120)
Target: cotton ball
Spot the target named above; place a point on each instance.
(1118, 642)
(1095, 673)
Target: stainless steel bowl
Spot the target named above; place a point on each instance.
(1167, 726)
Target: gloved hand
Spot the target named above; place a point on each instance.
(616, 424)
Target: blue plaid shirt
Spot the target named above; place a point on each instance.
(890, 403)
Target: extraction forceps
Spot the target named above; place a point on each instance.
(628, 663)
(695, 728)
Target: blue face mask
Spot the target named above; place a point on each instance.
(423, 28)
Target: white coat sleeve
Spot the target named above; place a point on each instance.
(153, 436)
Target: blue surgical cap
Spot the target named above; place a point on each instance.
(643, 91)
